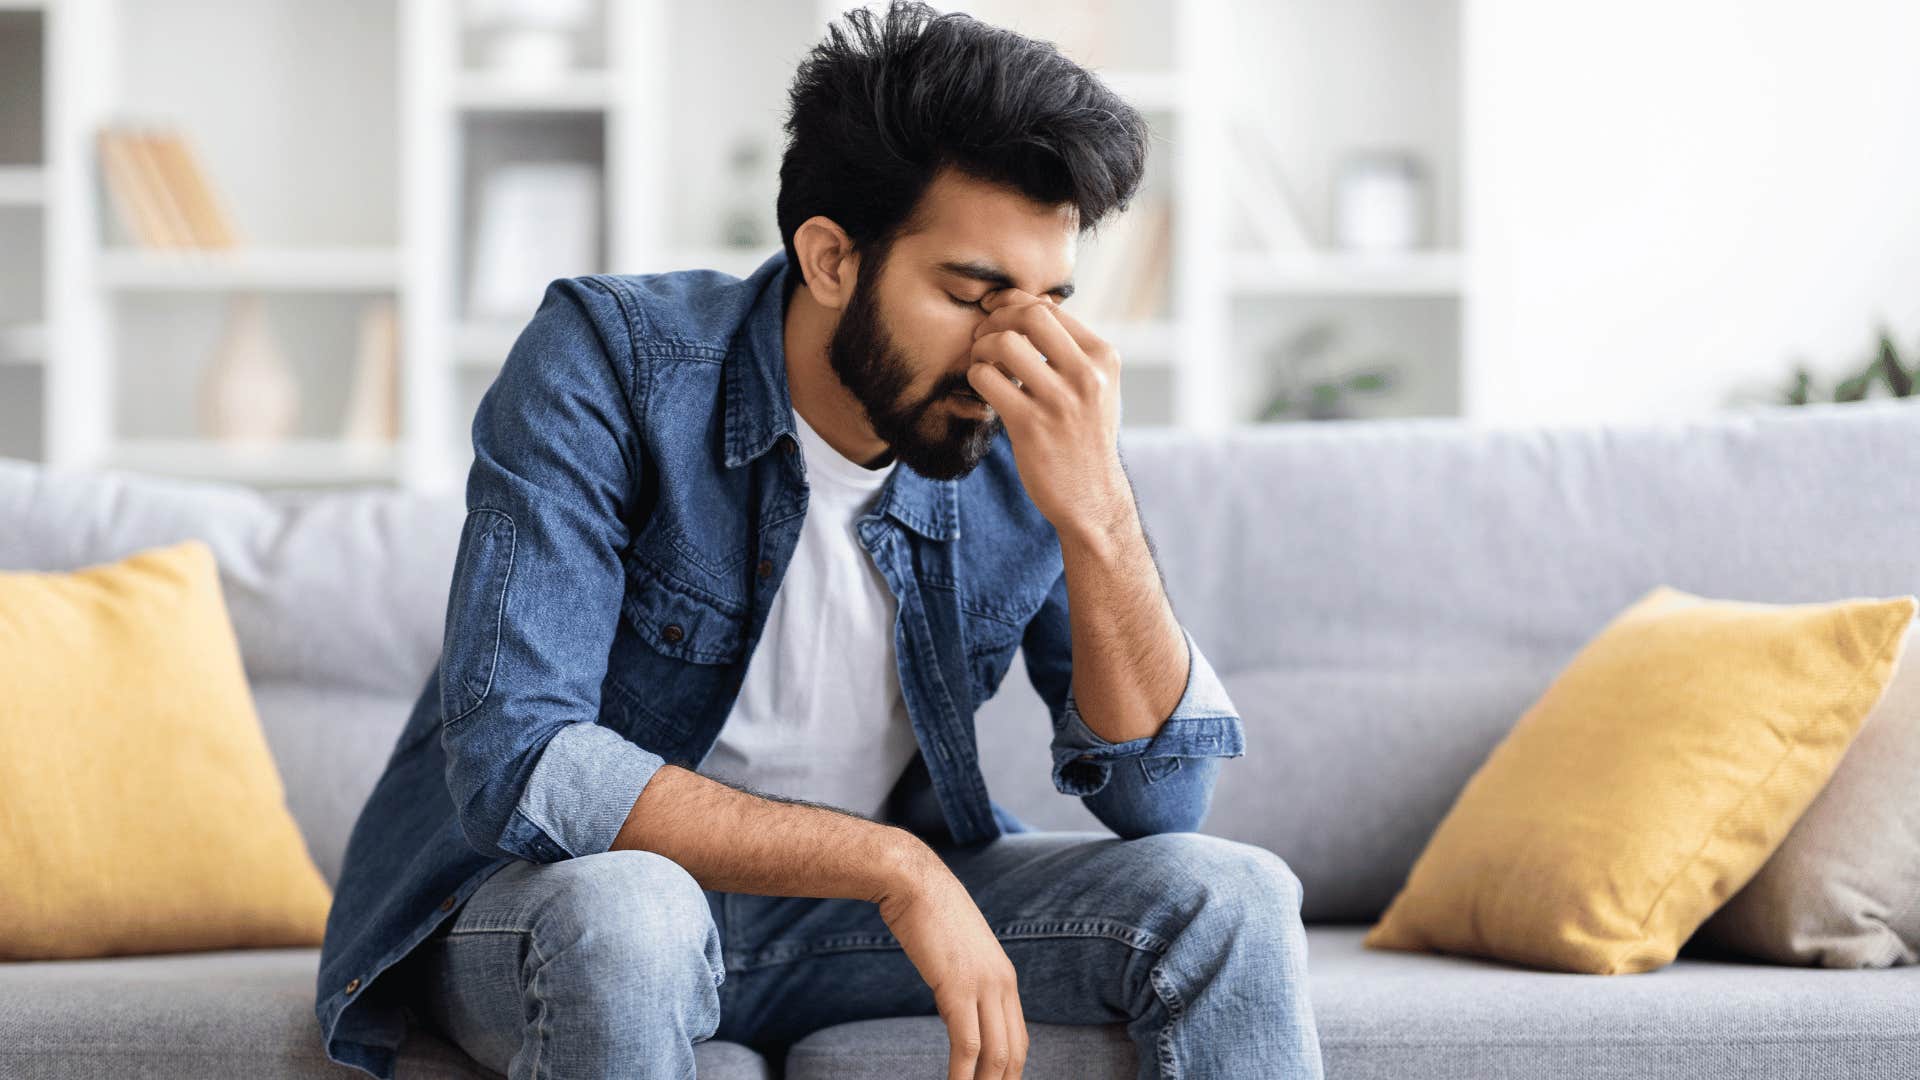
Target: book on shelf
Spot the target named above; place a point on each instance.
(159, 192)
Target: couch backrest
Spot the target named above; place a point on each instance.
(1383, 598)
(338, 600)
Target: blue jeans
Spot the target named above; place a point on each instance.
(615, 964)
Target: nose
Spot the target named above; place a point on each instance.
(1000, 298)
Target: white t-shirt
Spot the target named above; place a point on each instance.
(820, 716)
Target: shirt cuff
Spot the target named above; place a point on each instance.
(1204, 723)
(583, 788)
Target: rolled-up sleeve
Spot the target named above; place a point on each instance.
(1160, 783)
(537, 588)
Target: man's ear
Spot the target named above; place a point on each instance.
(827, 261)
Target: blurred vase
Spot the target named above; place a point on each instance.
(249, 393)
(1380, 202)
(373, 402)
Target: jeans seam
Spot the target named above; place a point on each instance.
(540, 1023)
(1176, 1009)
(1025, 929)
(1085, 926)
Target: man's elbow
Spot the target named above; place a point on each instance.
(483, 826)
(1147, 796)
(486, 808)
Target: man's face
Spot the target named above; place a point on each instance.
(904, 341)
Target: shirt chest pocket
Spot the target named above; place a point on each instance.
(991, 641)
(676, 660)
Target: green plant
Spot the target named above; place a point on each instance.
(1884, 367)
(1308, 390)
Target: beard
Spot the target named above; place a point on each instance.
(921, 433)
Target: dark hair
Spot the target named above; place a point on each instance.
(885, 102)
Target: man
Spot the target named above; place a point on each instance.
(741, 558)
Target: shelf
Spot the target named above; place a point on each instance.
(1314, 273)
(380, 198)
(483, 344)
(23, 344)
(267, 269)
(583, 91)
(291, 461)
(22, 185)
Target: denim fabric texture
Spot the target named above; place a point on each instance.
(633, 501)
(1193, 942)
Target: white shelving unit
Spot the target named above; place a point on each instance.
(664, 87)
(1325, 78)
(353, 164)
(26, 202)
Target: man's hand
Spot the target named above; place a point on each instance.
(1063, 418)
(974, 985)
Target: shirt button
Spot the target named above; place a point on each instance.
(353, 985)
(672, 632)
(786, 443)
(447, 904)
(1084, 757)
(766, 567)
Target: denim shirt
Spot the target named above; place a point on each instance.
(633, 503)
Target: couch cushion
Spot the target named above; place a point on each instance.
(1395, 1014)
(1655, 776)
(1431, 551)
(245, 1012)
(342, 589)
(1382, 598)
(143, 811)
(1389, 1015)
(1352, 822)
(1844, 889)
(332, 744)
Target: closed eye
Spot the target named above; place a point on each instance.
(979, 305)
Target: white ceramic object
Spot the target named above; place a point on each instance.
(249, 393)
(1380, 203)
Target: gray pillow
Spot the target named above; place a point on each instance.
(1843, 889)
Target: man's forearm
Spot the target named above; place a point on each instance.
(1129, 653)
(734, 841)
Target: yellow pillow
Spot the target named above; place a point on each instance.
(140, 808)
(1647, 785)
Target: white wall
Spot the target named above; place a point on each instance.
(1670, 201)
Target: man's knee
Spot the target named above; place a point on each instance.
(627, 911)
(1229, 877)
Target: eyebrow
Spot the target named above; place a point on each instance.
(993, 275)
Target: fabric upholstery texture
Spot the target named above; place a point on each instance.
(1843, 890)
(1390, 1015)
(236, 1013)
(1382, 599)
(1383, 1015)
(143, 810)
(1654, 777)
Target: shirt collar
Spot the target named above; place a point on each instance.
(759, 410)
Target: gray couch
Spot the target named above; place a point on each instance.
(1383, 599)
